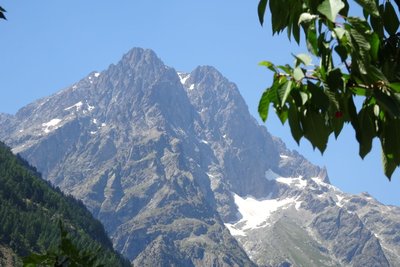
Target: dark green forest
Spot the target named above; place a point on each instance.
(31, 209)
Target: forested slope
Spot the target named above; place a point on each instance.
(30, 209)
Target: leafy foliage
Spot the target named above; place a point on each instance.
(30, 209)
(359, 62)
(2, 11)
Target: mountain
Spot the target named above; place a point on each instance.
(181, 174)
(29, 212)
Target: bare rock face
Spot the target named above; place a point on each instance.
(180, 173)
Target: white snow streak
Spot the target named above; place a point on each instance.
(78, 106)
(50, 125)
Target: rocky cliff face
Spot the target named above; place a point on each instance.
(166, 160)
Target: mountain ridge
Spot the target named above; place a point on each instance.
(165, 160)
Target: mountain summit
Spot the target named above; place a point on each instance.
(180, 174)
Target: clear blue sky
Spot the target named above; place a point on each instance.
(48, 45)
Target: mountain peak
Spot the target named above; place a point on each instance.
(140, 55)
(206, 74)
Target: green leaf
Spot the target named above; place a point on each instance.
(395, 86)
(352, 113)
(361, 49)
(296, 32)
(370, 6)
(283, 114)
(377, 25)
(315, 129)
(263, 106)
(304, 97)
(261, 10)
(342, 52)
(312, 40)
(390, 19)
(375, 44)
(318, 97)
(338, 123)
(269, 65)
(339, 32)
(330, 8)
(279, 15)
(389, 166)
(303, 58)
(345, 11)
(388, 103)
(375, 75)
(390, 142)
(368, 132)
(333, 102)
(284, 91)
(334, 79)
(286, 68)
(2, 11)
(313, 5)
(298, 74)
(359, 90)
(294, 123)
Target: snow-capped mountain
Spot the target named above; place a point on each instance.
(180, 174)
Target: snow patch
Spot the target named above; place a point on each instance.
(90, 108)
(283, 156)
(298, 204)
(255, 213)
(94, 121)
(297, 182)
(96, 74)
(93, 132)
(320, 182)
(340, 200)
(191, 87)
(234, 231)
(183, 77)
(50, 125)
(103, 124)
(78, 106)
(204, 142)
